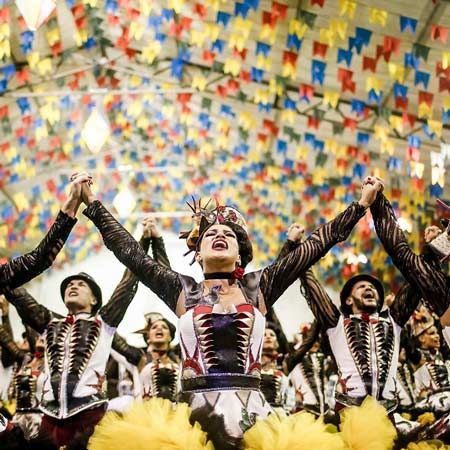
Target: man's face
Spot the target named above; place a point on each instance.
(363, 298)
(78, 296)
(430, 339)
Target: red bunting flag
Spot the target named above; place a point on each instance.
(242, 54)
(269, 19)
(391, 44)
(409, 119)
(426, 97)
(401, 103)
(208, 56)
(439, 32)
(245, 76)
(313, 122)
(306, 91)
(369, 64)
(279, 10)
(440, 70)
(381, 52)
(320, 49)
(270, 126)
(444, 84)
(350, 123)
(318, 2)
(289, 57)
(4, 111)
(200, 10)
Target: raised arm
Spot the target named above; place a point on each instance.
(30, 311)
(320, 303)
(405, 303)
(297, 356)
(279, 276)
(324, 310)
(113, 312)
(162, 281)
(11, 353)
(422, 273)
(24, 268)
(132, 354)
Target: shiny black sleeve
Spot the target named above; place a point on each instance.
(406, 301)
(10, 352)
(113, 312)
(324, 310)
(276, 278)
(320, 303)
(159, 251)
(162, 281)
(30, 311)
(132, 354)
(422, 273)
(24, 268)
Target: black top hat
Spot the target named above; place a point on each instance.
(348, 286)
(95, 288)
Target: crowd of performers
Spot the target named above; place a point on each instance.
(370, 367)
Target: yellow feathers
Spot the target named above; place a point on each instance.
(152, 425)
(430, 445)
(367, 427)
(300, 431)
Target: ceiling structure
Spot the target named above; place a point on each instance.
(278, 107)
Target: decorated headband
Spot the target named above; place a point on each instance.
(203, 218)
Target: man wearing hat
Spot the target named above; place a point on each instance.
(364, 336)
(77, 348)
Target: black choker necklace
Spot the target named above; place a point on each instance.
(219, 276)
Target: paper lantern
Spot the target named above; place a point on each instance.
(96, 131)
(35, 12)
(124, 202)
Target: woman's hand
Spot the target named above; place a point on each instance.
(369, 190)
(74, 199)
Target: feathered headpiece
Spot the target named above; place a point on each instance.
(420, 321)
(203, 218)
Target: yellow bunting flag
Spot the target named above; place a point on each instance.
(331, 98)
(378, 16)
(347, 8)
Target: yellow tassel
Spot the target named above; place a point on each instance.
(300, 431)
(152, 425)
(367, 427)
(426, 418)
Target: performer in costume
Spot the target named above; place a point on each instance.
(159, 376)
(406, 388)
(274, 383)
(307, 373)
(432, 378)
(222, 318)
(363, 336)
(77, 348)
